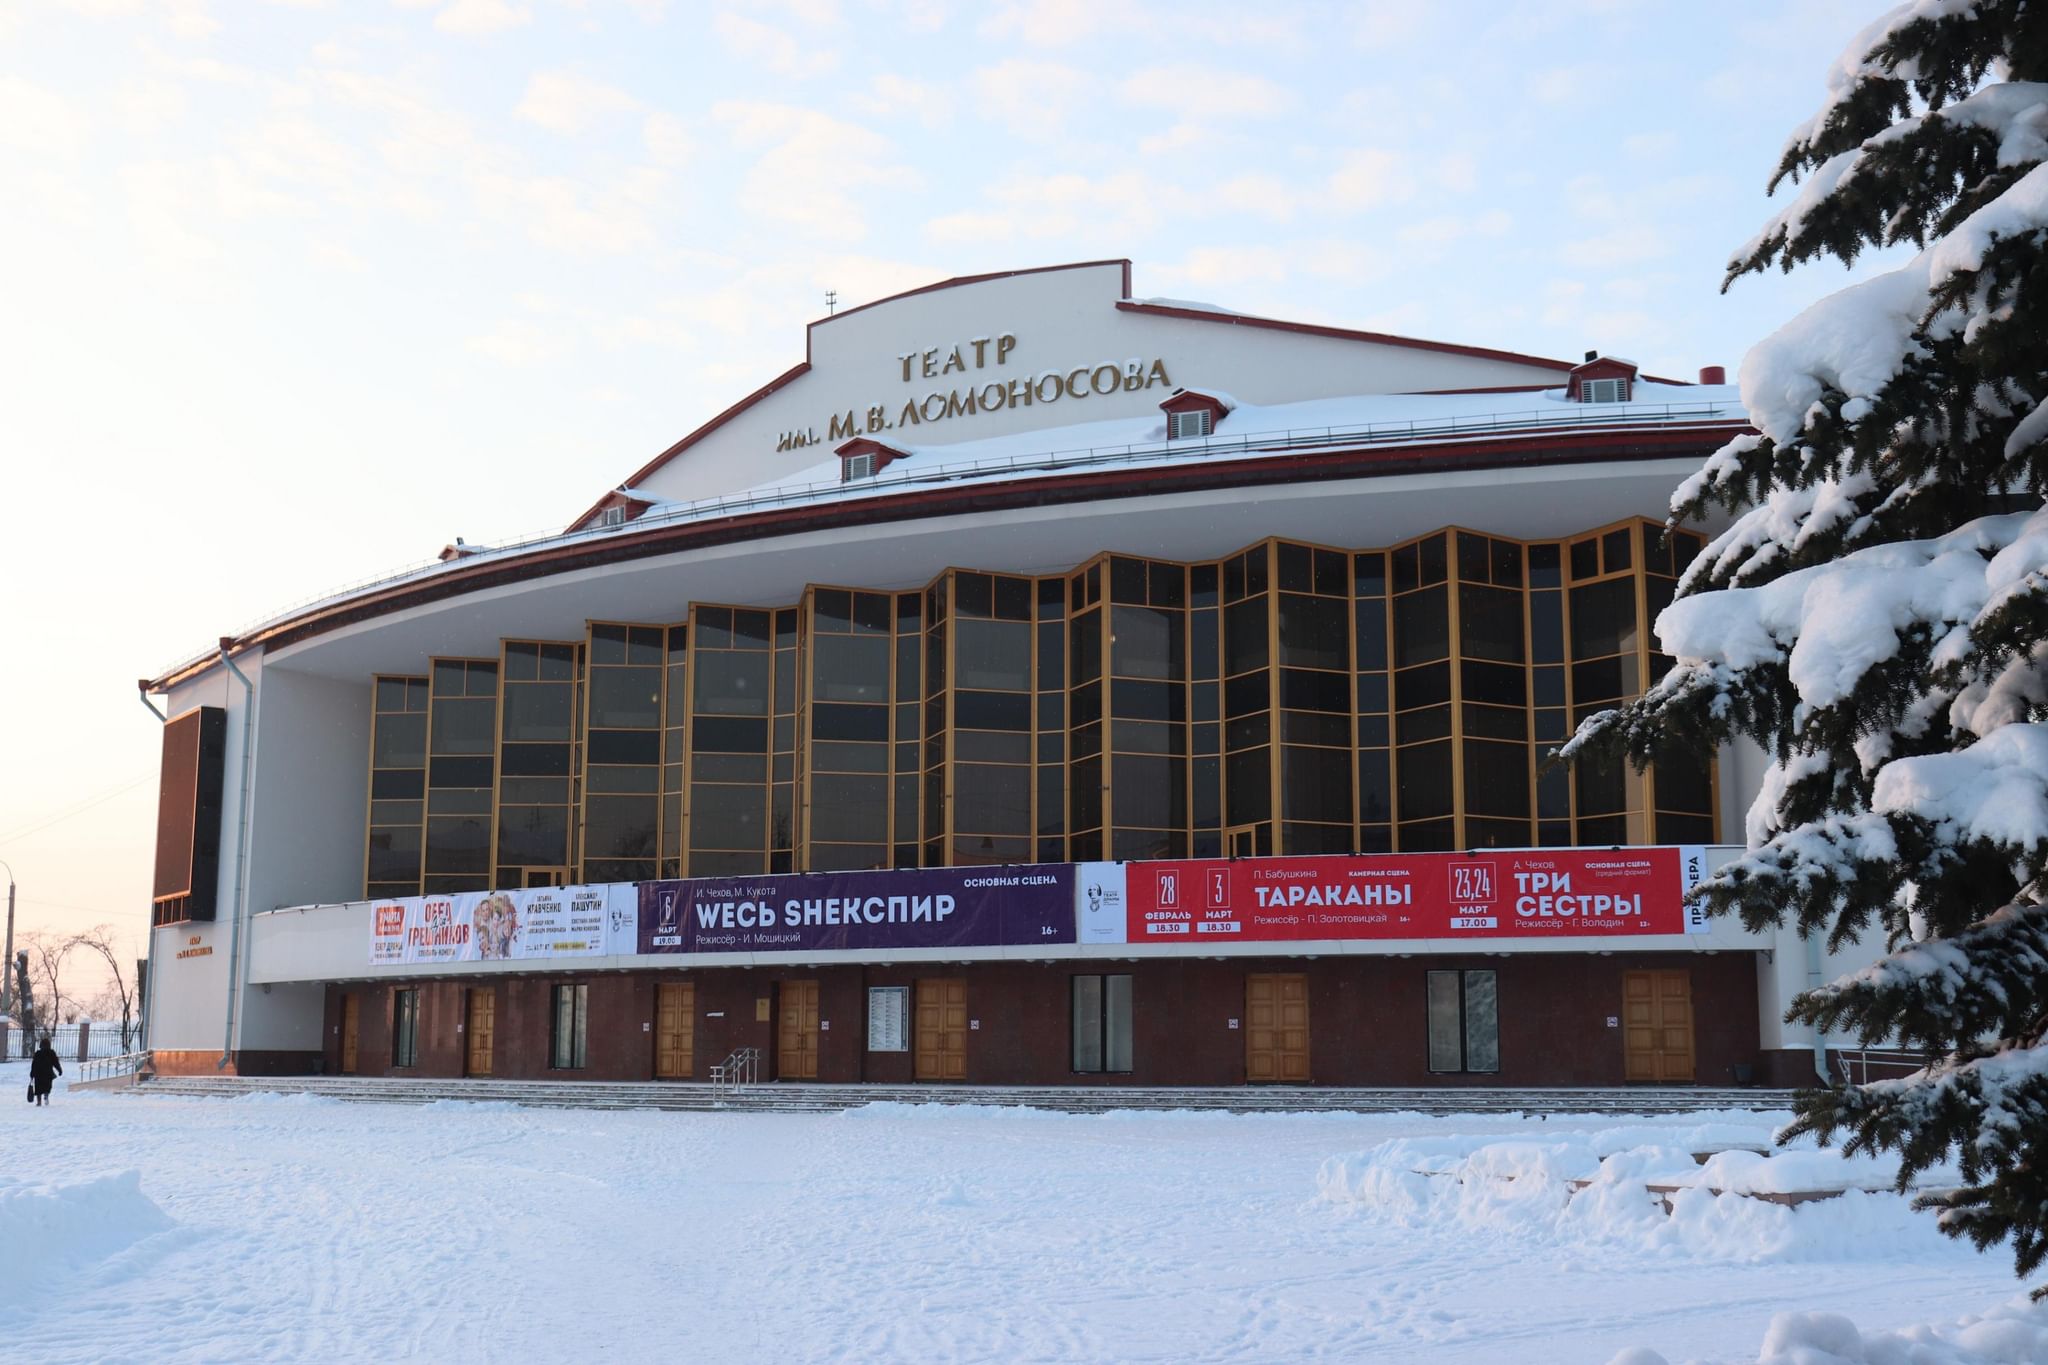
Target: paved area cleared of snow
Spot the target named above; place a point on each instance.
(276, 1228)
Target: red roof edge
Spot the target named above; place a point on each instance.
(959, 280)
(633, 480)
(1342, 334)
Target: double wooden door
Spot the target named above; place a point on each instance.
(941, 1029)
(675, 1030)
(1276, 1028)
(351, 1019)
(1656, 1025)
(796, 1052)
(481, 1028)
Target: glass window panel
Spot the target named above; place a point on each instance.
(728, 817)
(1084, 637)
(1248, 797)
(1372, 633)
(540, 760)
(1148, 737)
(395, 853)
(1207, 699)
(1490, 623)
(973, 594)
(1297, 571)
(1306, 690)
(1684, 829)
(1315, 784)
(1496, 722)
(1435, 553)
(607, 644)
(1422, 627)
(619, 826)
(620, 781)
(1085, 794)
(1507, 564)
(1202, 586)
(448, 676)
(729, 735)
(849, 809)
(535, 836)
(992, 710)
(1482, 1022)
(1429, 685)
(1585, 558)
(993, 654)
(1683, 783)
(992, 798)
(1145, 642)
(539, 712)
(1012, 599)
(625, 698)
(1148, 792)
(1446, 1023)
(1413, 727)
(1425, 780)
(462, 801)
(1316, 727)
(1496, 778)
(459, 772)
(1116, 1023)
(731, 683)
(463, 727)
(1315, 632)
(991, 746)
(391, 694)
(1375, 796)
(1543, 566)
(729, 767)
(750, 629)
(850, 667)
(1472, 557)
(1495, 684)
(1248, 732)
(396, 812)
(1147, 700)
(401, 742)
(1245, 646)
(1614, 551)
(1373, 729)
(1247, 694)
(859, 724)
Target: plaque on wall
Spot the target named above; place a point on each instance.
(888, 1018)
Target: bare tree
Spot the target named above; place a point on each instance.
(46, 954)
(118, 996)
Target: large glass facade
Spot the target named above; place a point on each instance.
(1285, 699)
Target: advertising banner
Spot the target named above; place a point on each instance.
(1528, 894)
(551, 922)
(956, 907)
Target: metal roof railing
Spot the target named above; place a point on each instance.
(924, 471)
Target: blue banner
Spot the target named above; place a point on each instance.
(949, 907)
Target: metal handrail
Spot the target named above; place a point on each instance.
(743, 1067)
(106, 1068)
(1277, 440)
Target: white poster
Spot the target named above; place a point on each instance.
(1099, 902)
(888, 1018)
(537, 922)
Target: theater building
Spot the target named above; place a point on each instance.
(1037, 683)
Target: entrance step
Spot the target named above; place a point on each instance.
(820, 1098)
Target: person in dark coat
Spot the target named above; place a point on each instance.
(43, 1071)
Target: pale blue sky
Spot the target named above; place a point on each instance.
(296, 292)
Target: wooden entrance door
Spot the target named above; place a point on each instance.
(1656, 1010)
(942, 1029)
(481, 1028)
(1276, 1028)
(796, 1053)
(351, 1015)
(675, 1031)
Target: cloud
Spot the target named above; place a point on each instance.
(1058, 23)
(521, 344)
(1032, 99)
(1369, 178)
(772, 48)
(40, 121)
(473, 18)
(668, 141)
(1265, 196)
(1198, 92)
(1625, 245)
(889, 95)
(1564, 84)
(1454, 228)
(812, 166)
(568, 103)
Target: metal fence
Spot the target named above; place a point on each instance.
(74, 1042)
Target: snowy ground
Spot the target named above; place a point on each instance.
(278, 1228)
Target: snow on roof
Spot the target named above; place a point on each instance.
(1193, 305)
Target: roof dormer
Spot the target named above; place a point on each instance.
(864, 457)
(1602, 379)
(1194, 412)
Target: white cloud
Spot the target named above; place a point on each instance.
(772, 48)
(1032, 99)
(40, 121)
(1564, 84)
(1266, 196)
(812, 167)
(474, 17)
(568, 103)
(521, 344)
(1369, 178)
(668, 140)
(1058, 23)
(889, 95)
(1625, 245)
(1198, 92)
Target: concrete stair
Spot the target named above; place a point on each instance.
(803, 1097)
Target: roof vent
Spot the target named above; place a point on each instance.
(1713, 374)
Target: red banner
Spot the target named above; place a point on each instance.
(1577, 893)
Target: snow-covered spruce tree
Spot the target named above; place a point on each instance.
(1877, 615)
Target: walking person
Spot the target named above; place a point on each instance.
(43, 1071)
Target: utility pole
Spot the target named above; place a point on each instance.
(7, 958)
